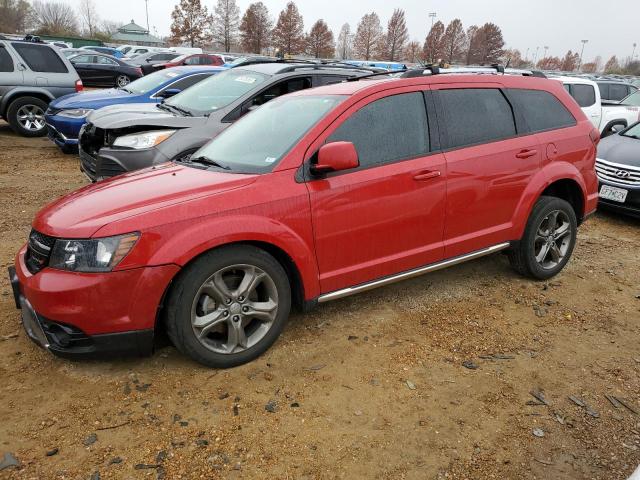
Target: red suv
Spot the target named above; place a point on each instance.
(312, 197)
(195, 59)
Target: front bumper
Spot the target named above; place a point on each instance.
(631, 205)
(109, 162)
(63, 131)
(90, 315)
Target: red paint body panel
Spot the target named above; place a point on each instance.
(345, 229)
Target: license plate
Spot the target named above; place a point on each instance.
(613, 193)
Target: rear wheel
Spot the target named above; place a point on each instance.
(122, 81)
(548, 239)
(26, 116)
(229, 306)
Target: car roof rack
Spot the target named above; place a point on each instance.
(493, 69)
(330, 66)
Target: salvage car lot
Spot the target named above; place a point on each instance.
(372, 386)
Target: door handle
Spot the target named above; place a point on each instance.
(526, 153)
(426, 175)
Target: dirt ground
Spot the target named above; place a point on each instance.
(372, 386)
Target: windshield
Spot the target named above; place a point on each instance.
(217, 92)
(260, 140)
(633, 99)
(149, 82)
(633, 131)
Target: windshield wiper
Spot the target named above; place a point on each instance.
(125, 89)
(169, 108)
(208, 161)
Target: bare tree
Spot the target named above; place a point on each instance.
(288, 34)
(570, 61)
(513, 58)
(396, 36)
(612, 65)
(320, 42)
(16, 16)
(88, 16)
(226, 19)
(454, 42)
(412, 52)
(55, 18)
(368, 36)
(433, 43)
(190, 24)
(549, 63)
(343, 50)
(255, 28)
(472, 41)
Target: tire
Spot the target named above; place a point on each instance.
(539, 237)
(122, 81)
(26, 116)
(201, 315)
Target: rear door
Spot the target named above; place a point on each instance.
(488, 164)
(48, 69)
(387, 215)
(106, 70)
(84, 66)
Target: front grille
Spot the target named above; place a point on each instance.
(109, 168)
(617, 173)
(38, 251)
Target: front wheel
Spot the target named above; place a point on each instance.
(548, 240)
(229, 306)
(26, 116)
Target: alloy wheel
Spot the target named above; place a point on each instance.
(234, 308)
(122, 80)
(31, 117)
(552, 240)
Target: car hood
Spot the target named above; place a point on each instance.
(82, 213)
(620, 149)
(94, 100)
(148, 114)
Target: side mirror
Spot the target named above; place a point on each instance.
(170, 92)
(334, 157)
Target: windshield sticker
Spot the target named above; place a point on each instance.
(269, 160)
(245, 79)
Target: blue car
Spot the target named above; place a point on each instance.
(114, 52)
(66, 115)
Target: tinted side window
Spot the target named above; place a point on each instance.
(6, 62)
(387, 130)
(83, 59)
(329, 79)
(604, 90)
(282, 88)
(585, 95)
(541, 110)
(617, 92)
(40, 58)
(187, 82)
(476, 115)
(192, 61)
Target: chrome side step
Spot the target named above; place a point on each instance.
(345, 292)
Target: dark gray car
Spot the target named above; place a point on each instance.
(618, 169)
(123, 138)
(31, 75)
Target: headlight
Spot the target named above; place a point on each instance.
(96, 255)
(75, 112)
(143, 140)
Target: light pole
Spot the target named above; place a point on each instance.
(545, 51)
(633, 53)
(146, 6)
(432, 16)
(535, 57)
(584, 42)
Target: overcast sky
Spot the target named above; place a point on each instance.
(558, 24)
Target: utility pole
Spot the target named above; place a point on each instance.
(584, 42)
(535, 57)
(633, 53)
(545, 51)
(146, 4)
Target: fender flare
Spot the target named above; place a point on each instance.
(549, 174)
(22, 92)
(617, 121)
(233, 230)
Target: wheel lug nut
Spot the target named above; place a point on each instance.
(241, 298)
(245, 309)
(236, 318)
(225, 313)
(228, 301)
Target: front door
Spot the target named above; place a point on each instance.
(387, 215)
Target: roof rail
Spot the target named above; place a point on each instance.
(493, 69)
(329, 66)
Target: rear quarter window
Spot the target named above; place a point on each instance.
(585, 95)
(40, 58)
(541, 110)
(6, 62)
(476, 115)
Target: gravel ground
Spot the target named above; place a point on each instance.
(374, 386)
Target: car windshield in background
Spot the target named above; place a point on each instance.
(633, 132)
(149, 82)
(633, 99)
(217, 92)
(260, 140)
